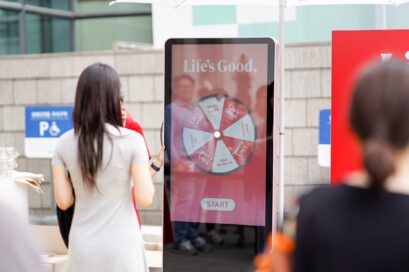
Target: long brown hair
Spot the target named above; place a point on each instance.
(97, 102)
(379, 114)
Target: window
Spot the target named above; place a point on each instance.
(47, 26)
(46, 34)
(53, 4)
(9, 32)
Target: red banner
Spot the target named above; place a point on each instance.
(351, 50)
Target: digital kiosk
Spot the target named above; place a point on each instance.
(220, 150)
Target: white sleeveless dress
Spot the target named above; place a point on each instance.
(105, 234)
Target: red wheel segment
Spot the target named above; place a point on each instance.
(233, 111)
(239, 149)
(204, 156)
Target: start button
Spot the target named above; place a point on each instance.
(218, 204)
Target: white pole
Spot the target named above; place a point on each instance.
(383, 16)
(281, 113)
(380, 17)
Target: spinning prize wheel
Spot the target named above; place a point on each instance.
(219, 134)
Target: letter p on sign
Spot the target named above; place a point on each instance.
(44, 126)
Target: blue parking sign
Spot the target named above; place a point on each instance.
(324, 141)
(325, 127)
(43, 126)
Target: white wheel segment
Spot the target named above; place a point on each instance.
(213, 109)
(243, 129)
(194, 139)
(223, 160)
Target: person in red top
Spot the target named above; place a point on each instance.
(130, 123)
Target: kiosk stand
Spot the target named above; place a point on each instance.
(220, 142)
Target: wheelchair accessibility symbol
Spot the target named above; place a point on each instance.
(52, 129)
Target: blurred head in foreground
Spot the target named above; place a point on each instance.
(379, 115)
(18, 253)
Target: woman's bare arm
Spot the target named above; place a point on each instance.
(144, 189)
(63, 191)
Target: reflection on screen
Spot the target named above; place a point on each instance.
(216, 128)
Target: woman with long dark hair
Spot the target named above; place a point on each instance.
(102, 158)
(363, 224)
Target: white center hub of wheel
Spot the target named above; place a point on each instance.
(217, 134)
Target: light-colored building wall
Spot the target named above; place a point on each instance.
(307, 91)
(51, 80)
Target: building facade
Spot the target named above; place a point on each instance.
(53, 81)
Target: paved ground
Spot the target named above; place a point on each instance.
(234, 255)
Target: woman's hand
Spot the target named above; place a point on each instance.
(159, 161)
(160, 158)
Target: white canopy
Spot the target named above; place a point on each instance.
(177, 3)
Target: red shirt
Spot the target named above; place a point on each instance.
(131, 124)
